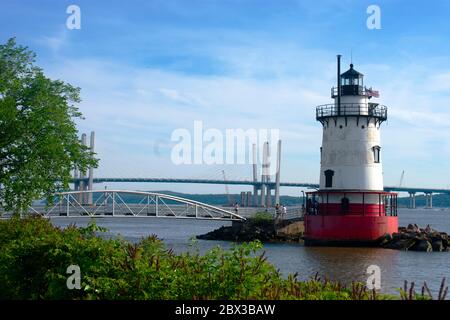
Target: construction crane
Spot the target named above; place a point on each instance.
(401, 179)
(230, 200)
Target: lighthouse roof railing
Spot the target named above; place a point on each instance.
(372, 110)
(359, 90)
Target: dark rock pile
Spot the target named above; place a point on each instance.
(415, 239)
(264, 231)
(411, 238)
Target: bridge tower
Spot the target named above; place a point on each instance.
(83, 182)
(350, 206)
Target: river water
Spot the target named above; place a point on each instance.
(343, 264)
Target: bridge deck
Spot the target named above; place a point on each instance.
(256, 183)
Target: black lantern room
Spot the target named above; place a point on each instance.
(352, 82)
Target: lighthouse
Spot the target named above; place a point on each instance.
(350, 207)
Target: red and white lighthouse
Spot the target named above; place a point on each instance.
(350, 207)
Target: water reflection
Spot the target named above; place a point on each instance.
(342, 264)
(350, 264)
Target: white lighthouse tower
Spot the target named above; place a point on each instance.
(350, 205)
(351, 157)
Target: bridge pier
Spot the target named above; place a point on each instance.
(82, 196)
(249, 199)
(255, 175)
(265, 189)
(246, 199)
(263, 195)
(412, 200)
(255, 196)
(90, 199)
(76, 182)
(429, 200)
(269, 197)
(82, 181)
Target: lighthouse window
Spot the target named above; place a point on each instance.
(376, 154)
(329, 178)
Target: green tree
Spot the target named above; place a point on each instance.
(39, 144)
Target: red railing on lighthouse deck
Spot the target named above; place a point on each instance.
(363, 203)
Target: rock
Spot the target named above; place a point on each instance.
(437, 246)
(264, 231)
(401, 244)
(407, 235)
(401, 229)
(387, 238)
(422, 245)
(291, 231)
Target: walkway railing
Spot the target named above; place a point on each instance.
(120, 203)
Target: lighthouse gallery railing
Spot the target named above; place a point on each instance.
(352, 109)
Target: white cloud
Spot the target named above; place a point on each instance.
(134, 111)
(56, 42)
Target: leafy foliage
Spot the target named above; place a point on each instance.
(263, 219)
(34, 256)
(38, 137)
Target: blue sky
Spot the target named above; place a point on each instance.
(147, 68)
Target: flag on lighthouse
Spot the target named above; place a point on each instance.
(372, 93)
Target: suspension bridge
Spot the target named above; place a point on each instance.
(262, 188)
(84, 200)
(258, 185)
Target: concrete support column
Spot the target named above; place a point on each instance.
(269, 197)
(255, 175)
(277, 175)
(428, 200)
(265, 174)
(255, 196)
(263, 195)
(249, 199)
(90, 198)
(412, 200)
(83, 187)
(76, 184)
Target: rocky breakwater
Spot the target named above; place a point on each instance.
(413, 238)
(260, 227)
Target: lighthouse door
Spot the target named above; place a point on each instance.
(345, 204)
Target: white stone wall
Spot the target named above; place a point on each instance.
(347, 149)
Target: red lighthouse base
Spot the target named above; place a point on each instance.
(347, 223)
(348, 230)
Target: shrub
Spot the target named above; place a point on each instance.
(34, 256)
(261, 219)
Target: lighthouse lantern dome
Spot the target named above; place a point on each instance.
(352, 82)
